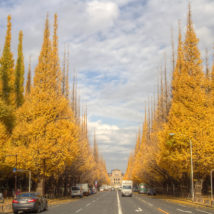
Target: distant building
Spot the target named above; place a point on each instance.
(116, 177)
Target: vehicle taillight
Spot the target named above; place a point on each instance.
(32, 200)
(15, 201)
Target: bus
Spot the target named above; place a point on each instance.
(142, 188)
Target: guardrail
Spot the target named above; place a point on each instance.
(203, 201)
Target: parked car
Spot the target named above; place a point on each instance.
(135, 189)
(101, 189)
(94, 190)
(29, 201)
(151, 191)
(76, 191)
(85, 188)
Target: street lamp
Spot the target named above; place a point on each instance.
(192, 183)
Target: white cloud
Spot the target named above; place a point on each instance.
(101, 14)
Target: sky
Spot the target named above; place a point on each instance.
(117, 48)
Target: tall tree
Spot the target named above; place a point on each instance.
(7, 68)
(46, 125)
(28, 83)
(19, 74)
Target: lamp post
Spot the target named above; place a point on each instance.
(211, 182)
(191, 162)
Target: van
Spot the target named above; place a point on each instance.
(127, 188)
(85, 188)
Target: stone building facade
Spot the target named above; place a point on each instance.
(116, 177)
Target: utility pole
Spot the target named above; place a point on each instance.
(192, 181)
(16, 175)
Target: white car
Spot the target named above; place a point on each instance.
(101, 189)
(76, 192)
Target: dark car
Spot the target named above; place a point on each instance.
(29, 202)
(151, 191)
(135, 189)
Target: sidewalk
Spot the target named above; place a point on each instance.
(203, 201)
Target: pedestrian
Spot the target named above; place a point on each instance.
(1, 198)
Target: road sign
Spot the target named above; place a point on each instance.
(14, 170)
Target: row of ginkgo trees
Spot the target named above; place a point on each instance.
(183, 113)
(42, 127)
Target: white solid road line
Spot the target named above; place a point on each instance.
(118, 204)
(184, 211)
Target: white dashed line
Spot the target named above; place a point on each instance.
(151, 205)
(88, 204)
(184, 211)
(93, 201)
(78, 210)
(202, 211)
(181, 205)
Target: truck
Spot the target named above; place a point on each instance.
(84, 188)
(126, 189)
(142, 188)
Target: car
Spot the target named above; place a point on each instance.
(30, 202)
(151, 191)
(76, 191)
(135, 189)
(101, 189)
(85, 188)
(94, 190)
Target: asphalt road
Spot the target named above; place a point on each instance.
(113, 203)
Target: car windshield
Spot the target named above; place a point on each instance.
(26, 195)
(127, 187)
(75, 188)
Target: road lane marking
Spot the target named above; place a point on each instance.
(138, 210)
(93, 200)
(182, 205)
(88, 204)
(78, 210)
(118, 204)
(151, 205)
(163, 211)
(202, 211)
(184, 211)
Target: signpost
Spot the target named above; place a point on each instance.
(29, 178)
